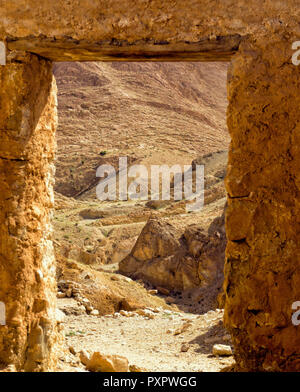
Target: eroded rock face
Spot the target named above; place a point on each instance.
(27, 267)
(177, 259)
(262, 272)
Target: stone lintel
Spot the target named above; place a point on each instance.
(220, 48)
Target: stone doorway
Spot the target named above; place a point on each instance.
(262, 259)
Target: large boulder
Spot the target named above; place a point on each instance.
(177, 258)
(107, 363)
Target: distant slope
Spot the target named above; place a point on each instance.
(151, 112)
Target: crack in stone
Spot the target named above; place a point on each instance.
(15, 159)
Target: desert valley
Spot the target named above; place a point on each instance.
(140, 279)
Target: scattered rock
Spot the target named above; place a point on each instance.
(94, 312)
(182, 329)
(135, 369)
(229, 368)
(115, 277)
(107, 363)
(152, 292)
(163, 290)
(72, 350)
(69, 292)
(126, 314)
(221, 350)
(154, 310)
(60, 316)
(184, 348)
(81, 309)
(145, 313)
(84, 357)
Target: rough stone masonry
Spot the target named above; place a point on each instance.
(262, 271)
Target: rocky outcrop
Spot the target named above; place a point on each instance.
(75, 252)
(184, 256)
(177, 259)
(104, 292)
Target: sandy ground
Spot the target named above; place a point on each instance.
(157, 344)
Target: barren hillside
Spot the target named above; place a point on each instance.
(151, 112)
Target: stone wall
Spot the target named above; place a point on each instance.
(27, 267)
(140, 29)
(263, 217)
(263, 227)
(133, 20)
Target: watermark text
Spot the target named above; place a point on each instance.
(185, 184)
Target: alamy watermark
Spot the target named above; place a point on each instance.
(296, 61)
(138, 189)
(296, 315)
(296, 55)
(2, 314)
(2, 53)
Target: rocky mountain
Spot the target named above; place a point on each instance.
(153, 113)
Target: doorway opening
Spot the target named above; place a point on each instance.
(141, 270)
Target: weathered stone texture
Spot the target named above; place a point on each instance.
(140, 29)
(143, 19)
(178, 259)
(27, 267)
(262, 271)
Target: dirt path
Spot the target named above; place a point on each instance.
(168, 341)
